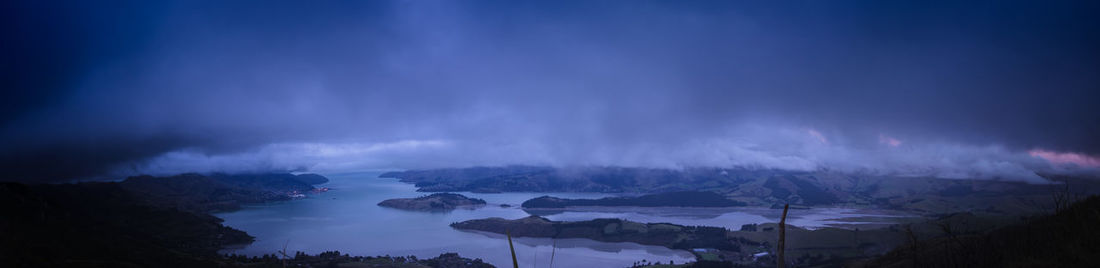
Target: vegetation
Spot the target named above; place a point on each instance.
(781, 245)
(433, 202)
(609, 230)
(204, 193)
(670, 199)
(163, 222)
(759, 187)
(718, 247)
(335, 259)
(1067, 238)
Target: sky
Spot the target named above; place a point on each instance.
(954, 89)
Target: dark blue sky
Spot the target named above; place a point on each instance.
(952, 88)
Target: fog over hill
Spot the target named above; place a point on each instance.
(942, 89)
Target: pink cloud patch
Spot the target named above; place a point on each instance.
(818, 136)
(1061, 158)
(883, 139)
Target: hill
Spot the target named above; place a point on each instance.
(1067, 238)
(763, 187)
(157, 222)
(103, 224)
(202, 193)
(670, 199)
(433, 202)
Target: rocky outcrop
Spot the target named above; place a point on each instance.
(434, 202)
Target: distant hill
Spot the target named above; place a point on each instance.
(670, 199)
(198, 192)
(759, 187)
(310, 178)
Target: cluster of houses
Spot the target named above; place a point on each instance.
(297, 194)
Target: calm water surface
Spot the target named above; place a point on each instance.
(348, 219)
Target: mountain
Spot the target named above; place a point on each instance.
(762, 187)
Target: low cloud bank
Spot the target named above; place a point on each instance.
(764, 147)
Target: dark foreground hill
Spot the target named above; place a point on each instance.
(1069, 238)
(752, 246)
(155, 222)
(104, 225)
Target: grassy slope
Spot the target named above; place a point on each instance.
(1066, 239)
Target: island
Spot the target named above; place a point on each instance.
(433, 202)
(669, 199)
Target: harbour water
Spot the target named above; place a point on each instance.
(347, 219)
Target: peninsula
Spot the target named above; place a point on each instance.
(670, 199)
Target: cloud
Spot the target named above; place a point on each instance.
(892, 142)
(158, 87)
(750, 146)
(1066, 159)
(315, 157)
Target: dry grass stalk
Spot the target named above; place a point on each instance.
(515, 264)
(780, 262)
(554, 248)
